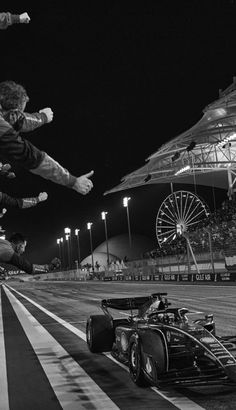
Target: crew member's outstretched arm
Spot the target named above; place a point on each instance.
(26, 122)
(22, 203)
(20, 151)
(7, 19)
(9, 256)
(51, 169)
(28, 267)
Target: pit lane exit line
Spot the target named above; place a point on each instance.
(3, 373)
(71, 384)
(175, 398)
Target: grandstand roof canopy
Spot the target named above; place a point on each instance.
(203, 155)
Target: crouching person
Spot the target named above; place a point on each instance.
(11, 253)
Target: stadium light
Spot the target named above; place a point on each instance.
(226, 140)
(62, 252)
(175, 157)
(59, 247)
(78, 244)
(182, 170)
(68, 239)
(126, 201)
(89, 227)
(126, 205)
(191, 146)
(104, 218)
(67, 236)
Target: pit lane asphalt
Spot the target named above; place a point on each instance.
(30, 363)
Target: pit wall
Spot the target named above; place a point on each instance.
(161, 269)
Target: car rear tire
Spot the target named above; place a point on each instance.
(135, 365)
(99, 333)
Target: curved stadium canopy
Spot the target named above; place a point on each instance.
(203, 155)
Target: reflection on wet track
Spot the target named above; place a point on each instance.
(45, 362)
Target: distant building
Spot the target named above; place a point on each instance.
(119, 248)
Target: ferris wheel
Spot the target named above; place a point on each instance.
(179, 212)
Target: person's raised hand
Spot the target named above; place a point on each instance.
(43, 196)
(5, 170)
(48, 112)
(83, 184)
(4, 210)
(24, 18)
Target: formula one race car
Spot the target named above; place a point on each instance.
(160, 345)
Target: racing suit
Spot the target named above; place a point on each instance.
(7, 19)
(17, 150)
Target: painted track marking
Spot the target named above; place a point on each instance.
(3, 369)
(71, 384)
(175, 398)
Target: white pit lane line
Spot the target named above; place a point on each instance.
(71, 384)
(3, 370)
(179, 401)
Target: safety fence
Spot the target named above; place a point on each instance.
(130, 276)
(171, 269)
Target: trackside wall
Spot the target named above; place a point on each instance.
(161, 269)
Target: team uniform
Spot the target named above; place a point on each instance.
(8, 19)
(19, 151)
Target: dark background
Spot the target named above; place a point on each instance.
(122, 78)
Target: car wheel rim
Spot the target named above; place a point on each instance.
(89, 333)
(134, 360)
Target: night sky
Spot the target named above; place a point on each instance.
(122, 78)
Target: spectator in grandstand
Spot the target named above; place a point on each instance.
(97, 266)
(216, 230)
(11, 253)
(15, 149)
(8, 19)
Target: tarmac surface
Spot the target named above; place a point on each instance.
(45, 362)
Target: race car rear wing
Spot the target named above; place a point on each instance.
(131, 303)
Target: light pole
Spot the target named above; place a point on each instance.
(78, 245)
(62, 252)
(68, 248)
(89, 227)
(59, 247)
(104, 214)
(126, 205)
(68, 239)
